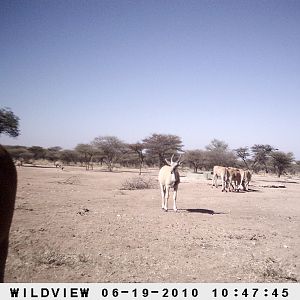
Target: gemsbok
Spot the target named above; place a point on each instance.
(168, 177)
(8, 187)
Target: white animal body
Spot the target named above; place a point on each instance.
(168, 177)
(8, 187)
(222, 172)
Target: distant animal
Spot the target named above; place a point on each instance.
(222, 172)
(246, 176)
(8, 187)
(168, 177)
(19, 163)
(234, 180)
(59, 164)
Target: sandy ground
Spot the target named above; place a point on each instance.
(80, 226)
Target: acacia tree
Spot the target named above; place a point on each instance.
(111, 148)
(261, 155)
(197, 158)
(9, 123)
(281, 161)
(38, 152)
(162, 145)
(217, 145)
(243, 153)
(218, 153)
(86, 151)
(53, 153)
(68, 156)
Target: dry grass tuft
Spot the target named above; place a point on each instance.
(139, 183)
(54, 258)
(71, 180)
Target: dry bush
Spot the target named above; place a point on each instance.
(55, 258)
(139, 183)
(71, 180)
(271, 270)
(274, 270)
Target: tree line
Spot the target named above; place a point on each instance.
(152, 151)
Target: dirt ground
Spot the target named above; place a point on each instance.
(80, 226)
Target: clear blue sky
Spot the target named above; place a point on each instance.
(74, 70)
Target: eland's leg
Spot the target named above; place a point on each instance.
(163, 193)
(241, 185)
(237, 186)
(174, 198)
(214, 181)
(167, 198)
(223, 183)
(231, 186)
(247, 186)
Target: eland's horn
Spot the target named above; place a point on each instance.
(172, 158)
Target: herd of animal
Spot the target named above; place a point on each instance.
(232, 179)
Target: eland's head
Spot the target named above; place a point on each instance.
(174, 164)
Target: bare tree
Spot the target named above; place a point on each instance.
(111, 148)
(162, 146)
(139, 149)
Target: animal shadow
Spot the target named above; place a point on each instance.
(202, 211)
(253, 190)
